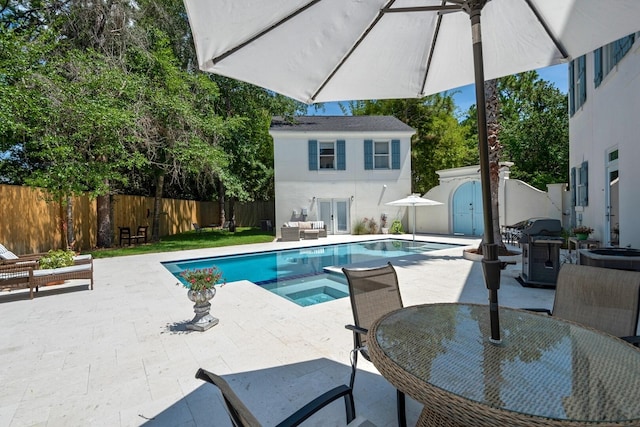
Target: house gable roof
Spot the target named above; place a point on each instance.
(340, 124)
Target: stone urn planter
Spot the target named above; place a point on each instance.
(202, 320)
(200, 283)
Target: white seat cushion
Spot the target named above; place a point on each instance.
(6, 253)
(61, 270)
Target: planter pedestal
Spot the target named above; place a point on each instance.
(202, 320)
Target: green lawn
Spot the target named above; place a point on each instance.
(191, 240)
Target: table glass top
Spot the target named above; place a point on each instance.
(543, 367)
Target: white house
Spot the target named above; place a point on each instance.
(339, 169)
(604, 137)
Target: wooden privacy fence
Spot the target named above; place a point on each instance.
(29, 223)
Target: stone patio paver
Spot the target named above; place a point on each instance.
(119, 355)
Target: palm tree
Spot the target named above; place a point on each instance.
(495, 152)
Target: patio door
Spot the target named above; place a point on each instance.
(335, 214)
(612, 235)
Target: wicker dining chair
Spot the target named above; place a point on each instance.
(241, 416)
(601, 298)
(374, 292)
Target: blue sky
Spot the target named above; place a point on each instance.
(465, 96)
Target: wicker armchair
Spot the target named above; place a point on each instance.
(601, 298)
(289, 234)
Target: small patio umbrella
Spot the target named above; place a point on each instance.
(414, 201)
(333, 50)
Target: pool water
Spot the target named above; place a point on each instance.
(306, 276)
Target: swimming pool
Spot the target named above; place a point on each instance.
(306, 276)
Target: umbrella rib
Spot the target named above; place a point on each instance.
(264, 32)
(350, 52)
(436, 33)
(553, 38)
(385, 9)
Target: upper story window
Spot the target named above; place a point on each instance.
(605, 58)
(577, 84)
(326, 155)
(381, 154)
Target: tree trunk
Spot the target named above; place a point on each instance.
(105, 227)
(495, 152)
(71, 237)
(62, 223)
(232, 215)
(221, 203)
(157, 204)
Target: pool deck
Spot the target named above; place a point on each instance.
(120, 355)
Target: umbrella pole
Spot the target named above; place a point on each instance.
(490, 262)
(414, 222)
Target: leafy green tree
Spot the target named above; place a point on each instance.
(72, 115)
(178, 131)
(440, 141)
(249, 146)
(534, 129)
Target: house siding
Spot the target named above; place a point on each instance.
(609, 119)
(297, 188)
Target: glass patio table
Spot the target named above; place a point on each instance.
(546, 371)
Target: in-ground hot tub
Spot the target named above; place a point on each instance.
(618, 258)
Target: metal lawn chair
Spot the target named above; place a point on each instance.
(374, 292)
(242, 417)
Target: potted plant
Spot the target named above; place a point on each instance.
(56, 259)
(383, 224)
(396, 227)
(201, 284)
(582, 232)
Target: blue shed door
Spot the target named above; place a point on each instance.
(467, 209)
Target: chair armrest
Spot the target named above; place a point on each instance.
(320, 402)
(539, 310)
(357, 329)
(19, 266)
(635, 340)
(22, 258)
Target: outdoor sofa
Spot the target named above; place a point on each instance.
(295, 230)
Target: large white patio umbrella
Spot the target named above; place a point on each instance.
(414, 201)
(333, 50)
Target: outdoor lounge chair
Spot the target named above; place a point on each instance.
(24, 272)
(17, 275)
(241, 416)
(6, 256)
(374, 292)
(601, 298)
(82, 268)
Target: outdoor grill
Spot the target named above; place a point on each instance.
(540, 242)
